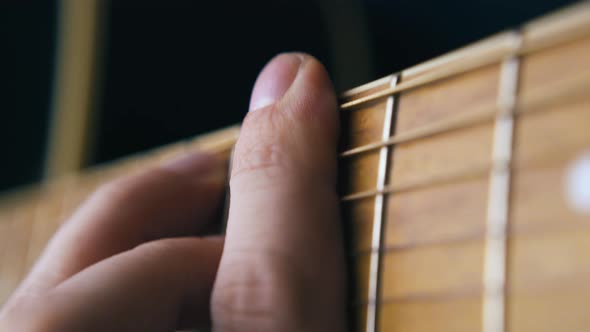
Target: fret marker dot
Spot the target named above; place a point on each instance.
(578, 184)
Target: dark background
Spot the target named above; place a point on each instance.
(173, 69)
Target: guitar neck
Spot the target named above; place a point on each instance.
(463, 180)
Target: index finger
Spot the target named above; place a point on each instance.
(282, 266)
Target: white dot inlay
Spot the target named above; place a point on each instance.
(578, 184)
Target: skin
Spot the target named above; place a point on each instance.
(132, 258)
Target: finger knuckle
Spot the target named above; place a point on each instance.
(270, 159)
(263, 146)
(261, 290)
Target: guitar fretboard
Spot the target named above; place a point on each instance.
(464, 188)
(457, 186)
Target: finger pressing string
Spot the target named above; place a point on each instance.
(282, 266)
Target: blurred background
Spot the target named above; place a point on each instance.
(160, 71)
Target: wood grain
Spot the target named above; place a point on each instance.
(364, 124)
(549, 311)
(547, 66)
(362, 273)
(549, 247)
(360, 319)
(457, 315)
(359, 173)
(549, 261)
(453, 152)
(545, 187)
(456, 95)
(359, 217)
(436, 271)
(555, 133)
(430, 215)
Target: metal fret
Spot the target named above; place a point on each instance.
(379, 212)
(495, 256)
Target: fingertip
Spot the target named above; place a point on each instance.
(275, 79)
(284, 209)
(299, 130)
(312, 98)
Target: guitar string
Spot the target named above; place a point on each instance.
(464, 292)
(471, 236)
(532, 102)
(437, 75)
(537, 103)
(493, 320)
(467, 65)
(475, 116)
(437, 179)
(573, 283)
(577, 30)
(538, 99)
(466, 173)
(557, 157)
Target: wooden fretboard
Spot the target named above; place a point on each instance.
(465, 188)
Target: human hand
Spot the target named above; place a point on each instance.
(131, 258)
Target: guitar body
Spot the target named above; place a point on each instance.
(465, 188)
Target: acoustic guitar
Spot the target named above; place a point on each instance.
(465, 186)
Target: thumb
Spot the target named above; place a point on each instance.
(282, 265)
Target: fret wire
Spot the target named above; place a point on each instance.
(495, 252)
(378, 214)
(534, 102)
(525, 47)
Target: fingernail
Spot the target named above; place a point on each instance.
(275, 79)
